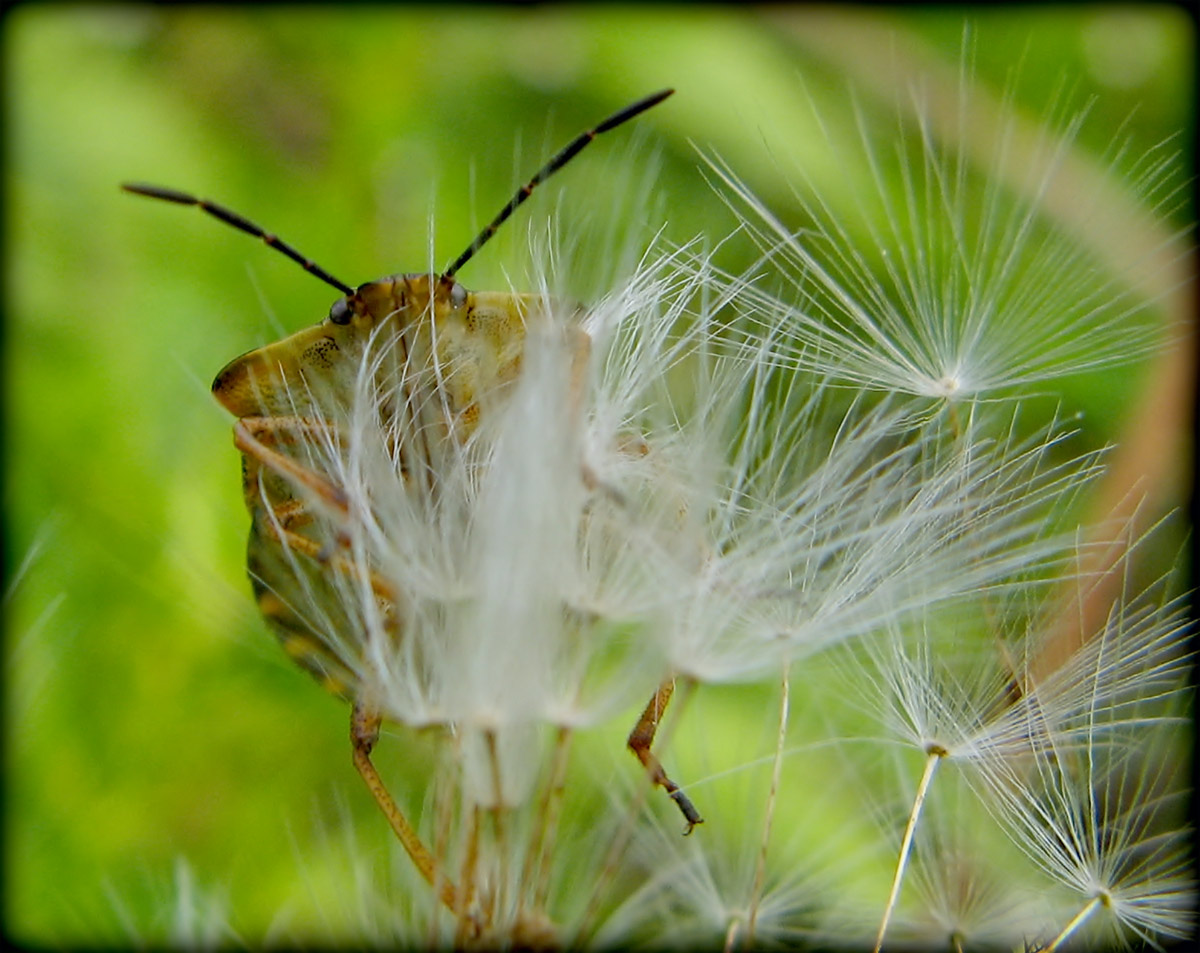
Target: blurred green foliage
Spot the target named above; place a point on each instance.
(149, 717)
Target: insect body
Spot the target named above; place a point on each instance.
(427, 336)
(452, 352)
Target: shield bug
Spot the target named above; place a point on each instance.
(449, 347)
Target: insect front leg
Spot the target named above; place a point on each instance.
(279, 512)
(258, 438)
(640, 741)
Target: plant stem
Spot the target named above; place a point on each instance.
(760, 872)
(1076, 922)
(936, 753)
(551, 810)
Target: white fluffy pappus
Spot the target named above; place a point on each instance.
(967, 253)
(1099, 804)
(672, 503)
(696, 494)
(976, 692)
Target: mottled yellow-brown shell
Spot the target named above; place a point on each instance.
(443, 350)
(479, 339)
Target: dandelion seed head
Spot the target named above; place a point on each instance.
(949, 386)
(956, 268)
(691, 478)
(1097, 804)
(702, 893)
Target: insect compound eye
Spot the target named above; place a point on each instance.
(458, 295)
(341, 312)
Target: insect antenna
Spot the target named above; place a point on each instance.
(232, 218)
(572, 149)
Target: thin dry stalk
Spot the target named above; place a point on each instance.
(760, 872)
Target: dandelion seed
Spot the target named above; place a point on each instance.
(783, 540)
(1105, 822)
(965, 693)
(962, 889)
(950, 277)
(1099, 808)
(704, 893)
(596, 531)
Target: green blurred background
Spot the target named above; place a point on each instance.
(149, 717)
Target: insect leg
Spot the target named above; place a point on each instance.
(318, 554)
(246, 437)
(256, 437)
(285, 429)
(364, 732)
(252, 436)
(282, 517)
(640, 740)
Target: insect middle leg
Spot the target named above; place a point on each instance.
(640, 741)
(283, 517)
(364, 732)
